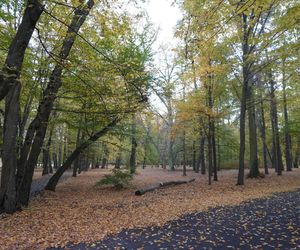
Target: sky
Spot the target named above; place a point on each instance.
(164, 16)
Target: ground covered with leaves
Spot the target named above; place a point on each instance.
(272, 223)
(79, 211)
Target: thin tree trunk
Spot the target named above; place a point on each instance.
(184, 155)
(132, 161)
(214, 151)
(297, 154)
(246, 74)
(76, 162)
(202, 154)
(210, 153)
(51, 185)
(194, 157)
(287, 137)
(105, 156)
(118, 161)
(55, 161)
(46, 154)
(253, 163)
(263, 136)
(277, 159)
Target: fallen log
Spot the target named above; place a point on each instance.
(161, 185)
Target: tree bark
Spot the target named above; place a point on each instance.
(132, 161)
(263, 136)
(202, 155)
(246, 74)
(214, 150)
(8, 193)
(277, 158)
(194, 157)
(184, 154)
(253, 163)
(46, 155)
(287, 137)
(14, 60)
(161, 185)
(76, 162)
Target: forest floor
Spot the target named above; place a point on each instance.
(80, 212)
(270, 223)
(39, 182)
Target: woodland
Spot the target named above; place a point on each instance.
(83, 91)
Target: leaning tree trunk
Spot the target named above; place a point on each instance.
(14, 60)
(51, 185)
(37, 129)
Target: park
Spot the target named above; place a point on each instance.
(153, 124)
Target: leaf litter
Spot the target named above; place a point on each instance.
(79, 211)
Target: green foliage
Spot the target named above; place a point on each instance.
(119, 179)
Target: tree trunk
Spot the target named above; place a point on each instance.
(37, 129)
(76, 162)
(51, 185)
(214, 148)
(297, 154)
(55, 161)
(263, 136)
(194, 157)
(246, 76)
(46, 155)
(219, 153)
(161, 185)
(184, 155)
(14, 60)
(210, 153)
(8, 193)
(253, 163)
(202, 155)
(277, 159)
(132, 161)
(287, 137)
(118, 161)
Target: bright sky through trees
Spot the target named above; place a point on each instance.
(165, 16)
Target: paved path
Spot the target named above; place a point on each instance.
(261, 224)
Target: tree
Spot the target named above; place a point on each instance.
(10, 74)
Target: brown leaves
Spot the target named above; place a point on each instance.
(81, 212)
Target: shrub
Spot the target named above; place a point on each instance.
(119, 179)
